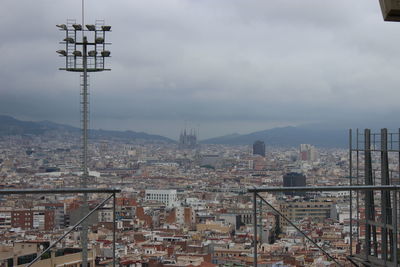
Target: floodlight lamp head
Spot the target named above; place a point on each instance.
(106, 28)
(105, 53)
(62, 52)
(77, 27)
(91, 27)
(92, 53)
(77, 53)
(69, 40)
(62, 26)
(99, 40)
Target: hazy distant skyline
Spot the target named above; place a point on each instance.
(221, 66)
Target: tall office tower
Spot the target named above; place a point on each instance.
(293, 179)
(259, 148)
(188, 140)
(308, 153)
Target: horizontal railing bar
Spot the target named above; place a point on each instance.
(376, 150)
(58, 191)
(325, 188)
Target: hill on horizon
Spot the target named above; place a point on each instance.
(12, 126)
(288, 136)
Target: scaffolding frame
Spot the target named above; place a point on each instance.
(374, 159)
(358, 188)
(110, 191)
(378, 246)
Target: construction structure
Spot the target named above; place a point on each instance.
(375, 160)
(374, 184)
(77, 258)
(82, 55)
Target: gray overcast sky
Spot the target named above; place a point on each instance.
(221, 65)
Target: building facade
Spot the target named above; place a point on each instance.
(168, 197)
(259, 148)
(308, 153)
(298, 210)
(294, 179)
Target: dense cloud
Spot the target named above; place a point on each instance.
(224, 66)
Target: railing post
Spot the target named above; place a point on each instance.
(255, 228)
(351, 192)
(114, 229)
(395, 230)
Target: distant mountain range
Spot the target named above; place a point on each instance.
(12, 126)
(321, 135)
(289, 136)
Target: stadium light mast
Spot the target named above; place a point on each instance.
(85, 50)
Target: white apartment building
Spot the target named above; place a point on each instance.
(5, 220)
(38, 219)
(169, 197)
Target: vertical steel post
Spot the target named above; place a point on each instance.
(114, 230)
(66, 49)
(368, 194)
(395, 211)
(75, 46)
(395, 230)
(351, 193)
(260, 224)
(358, 183)
(255, 228)
(386, 208)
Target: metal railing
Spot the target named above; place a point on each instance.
(112, 195)
(367, 188)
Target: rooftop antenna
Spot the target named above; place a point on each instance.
(79, 59)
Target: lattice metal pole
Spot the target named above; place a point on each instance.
(78, 61)
(85, 174)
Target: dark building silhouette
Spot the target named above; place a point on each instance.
(294, 179)
(188, 140)
(259, 148)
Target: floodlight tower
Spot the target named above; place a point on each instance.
(85, 51)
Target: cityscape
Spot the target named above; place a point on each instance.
(177, 206)
(160, 137)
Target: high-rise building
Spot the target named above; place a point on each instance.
(259, 148)
(294, 179)
(308, 153)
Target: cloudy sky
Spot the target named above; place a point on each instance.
(222, 66)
